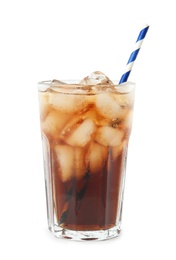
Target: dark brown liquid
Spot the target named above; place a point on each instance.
(85, 136)
(92, 202)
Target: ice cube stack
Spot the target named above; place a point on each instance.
(83, 126)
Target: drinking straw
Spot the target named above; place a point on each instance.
(134, 54)
(78, 194)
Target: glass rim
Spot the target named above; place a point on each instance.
(73, 82)
(125, 87)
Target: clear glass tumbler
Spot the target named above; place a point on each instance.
(85, 133)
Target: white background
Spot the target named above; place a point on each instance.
(66, 39)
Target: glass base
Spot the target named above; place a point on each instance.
(87, 235)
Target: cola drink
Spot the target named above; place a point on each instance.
(85, 131)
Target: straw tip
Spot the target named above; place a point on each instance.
(146, 25)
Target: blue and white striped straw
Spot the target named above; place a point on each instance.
(134, 54)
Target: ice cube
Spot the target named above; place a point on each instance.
(54, 123)
(96, 78)
(108, 106)
(79, 162)
(109, 136)
(76, 120)
(127, 121)
(67, 102)
(125, 99)
(60, 86)
(96, 157)
(117, 150)
(91, 113)
(79, 134)
(65, 159)
(55, 82)
(43, 105)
